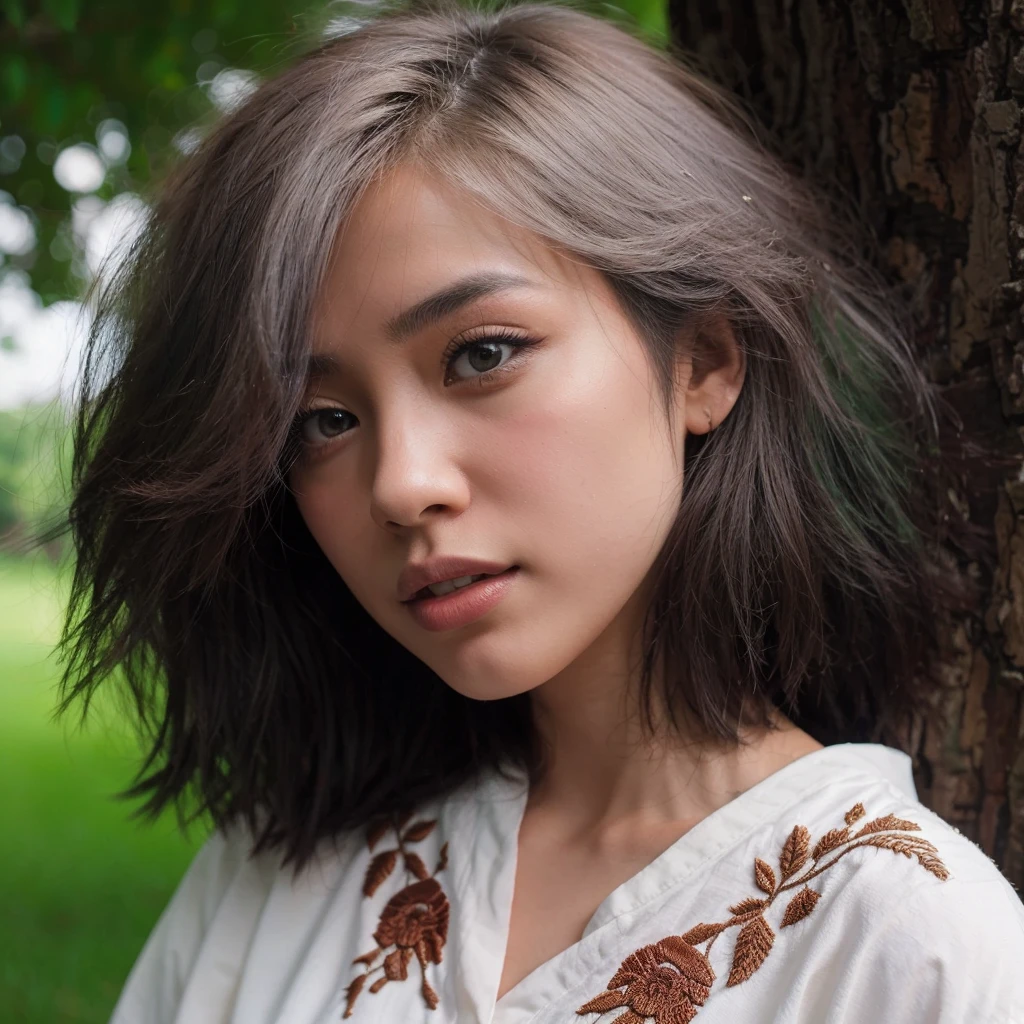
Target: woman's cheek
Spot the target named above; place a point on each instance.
(328, 512)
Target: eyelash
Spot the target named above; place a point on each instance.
(495, 336)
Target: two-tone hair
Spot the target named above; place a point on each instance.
(798, 572)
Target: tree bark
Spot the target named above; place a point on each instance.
(910, 110)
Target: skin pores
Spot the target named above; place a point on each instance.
(559, 460)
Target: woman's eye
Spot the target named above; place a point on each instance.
(483, 355)
(322, 425)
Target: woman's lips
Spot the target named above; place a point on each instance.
(462, 606)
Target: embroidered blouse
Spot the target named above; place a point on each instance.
(824, 894)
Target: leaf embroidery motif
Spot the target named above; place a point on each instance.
(379, 870)
(800, 906)
(414, 863)
(794, 851)
(829, 841)
(890, 821)
(753, 944)
(745, 906)
(414, 833)
(702, 932)
(668, 981)
(764, 876)
(414, 922)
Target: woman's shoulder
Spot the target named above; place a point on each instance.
(831, 892)
(852, 903)
(898, 862)
(867, 836)
(906, 916)
(242, 913)
(942, 928)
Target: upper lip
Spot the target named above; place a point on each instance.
(415, 577)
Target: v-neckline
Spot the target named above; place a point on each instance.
(710, 837)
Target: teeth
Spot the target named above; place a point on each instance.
(447, 586)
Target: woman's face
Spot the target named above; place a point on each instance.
(515, 422)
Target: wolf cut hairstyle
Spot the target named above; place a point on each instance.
(798, 573)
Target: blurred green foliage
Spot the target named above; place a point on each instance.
(82, 883)
(34, 469)
(68, 67)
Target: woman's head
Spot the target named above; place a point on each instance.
(522, 427)
(698, 424)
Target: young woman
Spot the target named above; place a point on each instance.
(503, 491)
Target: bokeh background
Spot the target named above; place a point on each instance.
(97, 100)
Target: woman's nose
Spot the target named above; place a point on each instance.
(416, 473)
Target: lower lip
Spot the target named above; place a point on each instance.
(462, 606)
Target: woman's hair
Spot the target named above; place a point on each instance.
(799, 571)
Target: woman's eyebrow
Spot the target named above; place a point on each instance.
(450, 299)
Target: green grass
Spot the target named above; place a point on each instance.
(82, 884)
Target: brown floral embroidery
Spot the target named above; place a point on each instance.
(653, 989)
(414, 922)
(669, 980)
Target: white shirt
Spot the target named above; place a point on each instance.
(905, 920)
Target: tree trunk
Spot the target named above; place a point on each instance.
(912, 109)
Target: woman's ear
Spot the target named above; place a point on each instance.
(712, 375)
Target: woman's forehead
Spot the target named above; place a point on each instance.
(409, 220)
(410, 237)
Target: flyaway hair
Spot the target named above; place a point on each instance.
(799, 571)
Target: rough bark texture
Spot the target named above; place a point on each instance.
(912, 110)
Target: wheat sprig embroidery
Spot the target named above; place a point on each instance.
(668, 981)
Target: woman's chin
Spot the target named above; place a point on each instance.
(492, 677)
(477, 687)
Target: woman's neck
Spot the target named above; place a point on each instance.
(602, 770)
